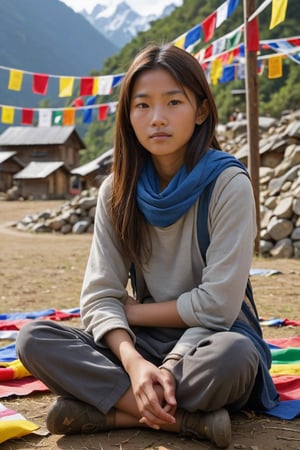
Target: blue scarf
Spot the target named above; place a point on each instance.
(162, 208)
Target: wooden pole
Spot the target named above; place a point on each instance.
(252, 116)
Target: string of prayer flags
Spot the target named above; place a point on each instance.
(60, 116)
(15, 80)
(207, 27)
(279, 8)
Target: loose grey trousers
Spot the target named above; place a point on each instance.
(219, 371)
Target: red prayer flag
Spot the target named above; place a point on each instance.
(102, 112)
(86, 86)
(27, 116)
(209, 26)
(208, 52)
(40, 83)
(78, 102)
(253, 36)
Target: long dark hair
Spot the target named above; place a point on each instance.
(130, 155)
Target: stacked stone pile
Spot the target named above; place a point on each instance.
(279, 148)
(76, 216)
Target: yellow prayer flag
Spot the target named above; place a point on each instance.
(96, 86)
(180, 41)
(278, 12)
(8, 114)
(66, 86)
(15, 80)
(68, 116)
(216, 70)
(275, 67)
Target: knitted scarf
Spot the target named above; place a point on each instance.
(162, 208)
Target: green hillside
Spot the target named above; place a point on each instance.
(275, 95)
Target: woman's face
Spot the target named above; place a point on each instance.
(163, 116)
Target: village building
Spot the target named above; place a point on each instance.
(43, 180)
(21, 146)
(9, 166)
(92, 173)
(43, 144)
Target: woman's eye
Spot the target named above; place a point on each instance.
(175, 102)
(141, 105)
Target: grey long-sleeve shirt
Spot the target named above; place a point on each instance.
(208, 298)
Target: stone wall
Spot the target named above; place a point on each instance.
(279, 148)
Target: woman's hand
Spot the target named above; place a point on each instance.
(154, 391)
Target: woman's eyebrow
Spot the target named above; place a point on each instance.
(166, 94)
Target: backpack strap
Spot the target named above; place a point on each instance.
(204, 240)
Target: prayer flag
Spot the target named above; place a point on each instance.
(57, 117)
(233, 39)
(40, 83)
(88, 112)
(105, 85)
(275, 67)
(216, 71)
(278, 12)
(15, 80)
(69, 116)
(227, 75)
(8, 114)
(45, 116)
(222, 13)
(66, 85)
(232, 5)
(78, 102)
(179, 42)
(102, 112)
(86, 86)
(27, 116)
(192, 36)
(209, 25)
(117, 80)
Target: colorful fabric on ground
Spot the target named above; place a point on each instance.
(15, 321)
(14, 425)
(285, 372)
(13, 370)
(22, 387)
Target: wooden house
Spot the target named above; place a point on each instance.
(92, 173)
(43, 144)
(9, 166)
(43, 180)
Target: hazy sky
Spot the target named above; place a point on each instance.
(143, 7)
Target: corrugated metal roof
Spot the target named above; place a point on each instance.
(35, 135)
(36, 170)
(93, 165)
(6, 155)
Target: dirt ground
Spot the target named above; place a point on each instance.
(40, 271)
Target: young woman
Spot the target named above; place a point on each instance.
(185, 350)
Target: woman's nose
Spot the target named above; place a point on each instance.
(158, 117)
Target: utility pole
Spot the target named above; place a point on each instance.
(252, 116)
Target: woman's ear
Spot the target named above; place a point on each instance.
(202, 112)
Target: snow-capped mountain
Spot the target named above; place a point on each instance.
(124, 24)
